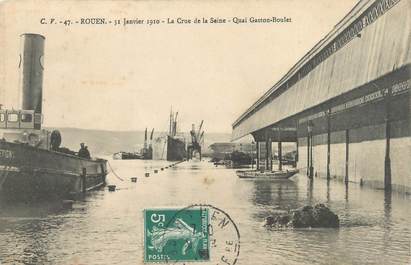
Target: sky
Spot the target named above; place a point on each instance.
(128, 77)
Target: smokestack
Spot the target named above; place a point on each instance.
(31, 72)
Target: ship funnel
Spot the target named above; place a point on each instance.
(31, 72)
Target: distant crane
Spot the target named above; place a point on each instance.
(147, 151)
(197, 140)
(173, 123)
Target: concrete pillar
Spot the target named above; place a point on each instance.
(280, 156)
(297, 155)
(387, 162)
(268, 148)
(308, 155)
(270, 154)
(328, 142)
(311, 157)
(280, 151)
(347, 153)
(310, 149)
(257, 144)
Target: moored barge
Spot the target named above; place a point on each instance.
(32, 163)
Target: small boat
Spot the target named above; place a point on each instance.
(283, 174)
(126, 156)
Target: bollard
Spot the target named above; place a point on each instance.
(147, 175)
(111, 187)
(134, 179)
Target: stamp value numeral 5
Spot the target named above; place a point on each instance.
(158, 218)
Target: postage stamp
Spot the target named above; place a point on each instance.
(200, 232)
(175, 235)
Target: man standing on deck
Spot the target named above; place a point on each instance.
(83, 152)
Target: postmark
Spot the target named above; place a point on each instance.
(197, 233)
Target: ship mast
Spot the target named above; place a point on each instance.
(151, 138)
(175, 125)
(145, 139)
(170, 129)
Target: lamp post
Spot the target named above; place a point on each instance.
(310, 137)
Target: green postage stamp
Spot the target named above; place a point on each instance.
(176, 235)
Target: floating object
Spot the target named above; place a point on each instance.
(155, 171)
(283, 174)
(111, 187)
(68, 204)
(147, 174)
(133, 179)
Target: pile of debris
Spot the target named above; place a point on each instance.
(305, 217)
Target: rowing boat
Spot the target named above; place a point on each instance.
(283, 174)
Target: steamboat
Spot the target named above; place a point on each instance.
(32, 163)
(171, 147)
(146, 153)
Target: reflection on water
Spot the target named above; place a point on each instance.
(107, 227)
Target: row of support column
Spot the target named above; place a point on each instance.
(268, 152)
(310, 144)
(387, 159)
(310, 165)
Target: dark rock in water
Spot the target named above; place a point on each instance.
(324, 217)
(304, 217)
(283, 220)
(279, 220)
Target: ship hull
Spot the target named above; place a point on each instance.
(169, 148)
(28, 172)
(176, 149)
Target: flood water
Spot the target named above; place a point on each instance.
(107, 227)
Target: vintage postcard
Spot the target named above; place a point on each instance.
(205, 132)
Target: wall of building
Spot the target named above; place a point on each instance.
(352, 99)
(382, 47)
(366, 155)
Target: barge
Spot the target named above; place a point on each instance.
(32, 163)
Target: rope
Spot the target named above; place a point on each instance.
(112, 170)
